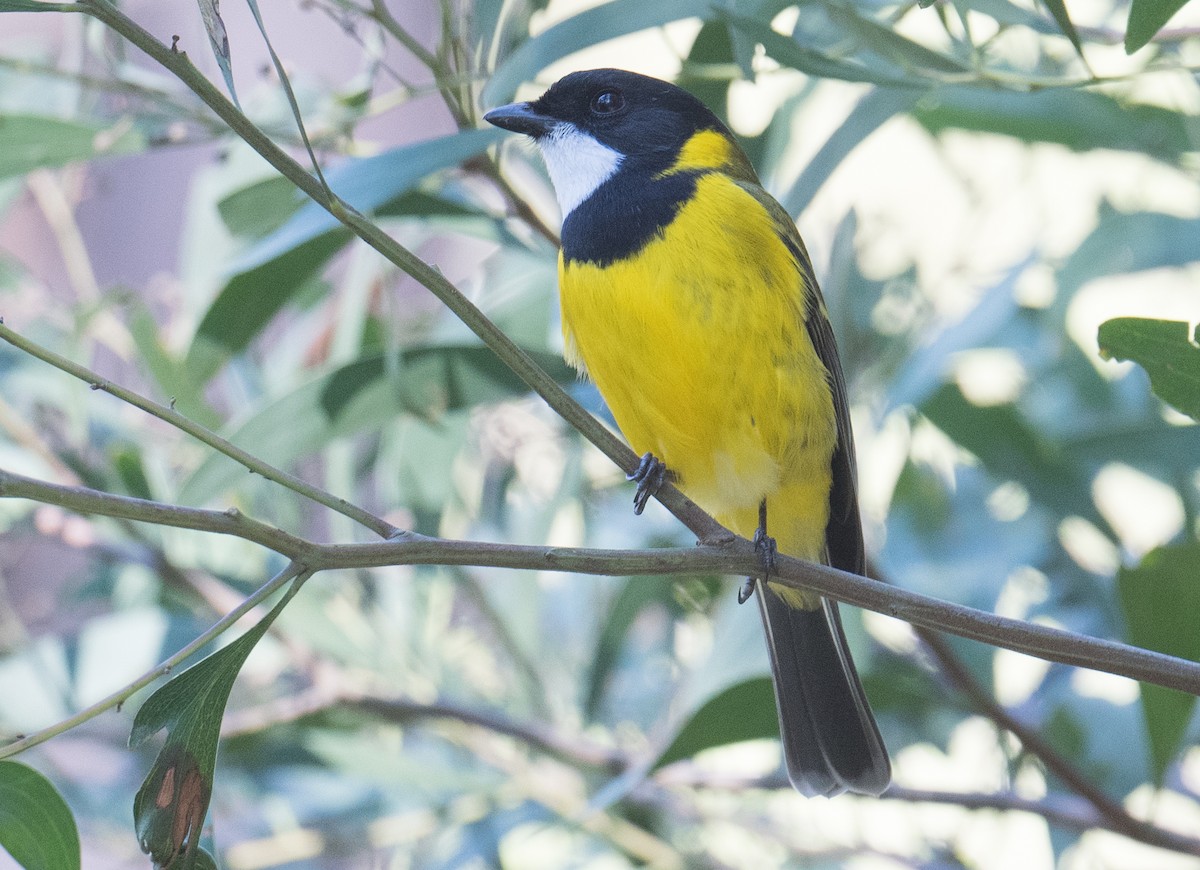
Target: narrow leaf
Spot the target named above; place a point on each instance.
(275, 269)
(368, 393)
(34, 6)
(1160, 598)
(589, 27)
(1058, 9)
(728, 698)
(1146, 18)
(744, 711)
(867, 116)
(1164, 349)
(1080, 120)
(787, 52)
(219, 39)
(170, 806)
(36, 825)
(33, 142)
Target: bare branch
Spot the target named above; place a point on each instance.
(200, 433)
(734, 556)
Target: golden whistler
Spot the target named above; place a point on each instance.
(689, 299)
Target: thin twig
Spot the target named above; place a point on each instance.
(293, 572)
(207, 436)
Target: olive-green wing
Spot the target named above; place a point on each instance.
(843, 533)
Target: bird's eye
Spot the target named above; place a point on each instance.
(607, 102)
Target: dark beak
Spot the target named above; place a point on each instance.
(521, 118)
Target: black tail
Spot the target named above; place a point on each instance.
(830, 740)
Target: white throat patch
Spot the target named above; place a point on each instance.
(578, 164)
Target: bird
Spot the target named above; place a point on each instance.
(689, 299)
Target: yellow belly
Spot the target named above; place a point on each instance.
(698, 345)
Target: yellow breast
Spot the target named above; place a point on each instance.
(698, 345)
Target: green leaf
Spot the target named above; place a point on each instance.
(32, 142)
(434, 379)
(589, 27)
(1011, 448)
(789, 53)
(170, 806)
(912, 57)
(1081, 120)
(728, 698)
(30, 6)
(261, 207)
(744, 711)
(1160, 599)
(1146, 18)
(867, 116)
(1058, 9)
(219, 39)
(1125, 242)
(637, 593)
(252, 298)
(276, 268)
(36, 825)
(1167, 353)
(369, 393)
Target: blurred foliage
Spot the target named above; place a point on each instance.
(436, 716)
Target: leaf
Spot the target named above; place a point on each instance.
(274, 270)
(1080, 120)
(29, 6)
(36, 825)
(434, 379)
(424, 381)
(210, 12)
(637, 593)
(1126, 242)
(1164, 349)
(912, 57)
(261, 207)
(32, 142)
(1146, 18)
(252, 298)
(728, 698)
(1160, 599)
(744, 711)
(787, 52)
(589, 27)
(928, 366)
(867, 116)
(1011, 448)
(170, 806)
(1058, 9)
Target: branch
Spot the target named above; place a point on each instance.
(200, 433)
(315, 701)
(293, 571)
(734, 556)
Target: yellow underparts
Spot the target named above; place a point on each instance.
(698, 345)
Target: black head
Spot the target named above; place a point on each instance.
(632, 114)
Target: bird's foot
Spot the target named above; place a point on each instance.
(765, 549)
(649, 476)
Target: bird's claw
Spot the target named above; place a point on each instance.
(649, 476)
(747, 590)
(765, 549)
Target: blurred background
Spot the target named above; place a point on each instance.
(977, 197)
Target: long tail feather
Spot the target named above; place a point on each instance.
(830, 740)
